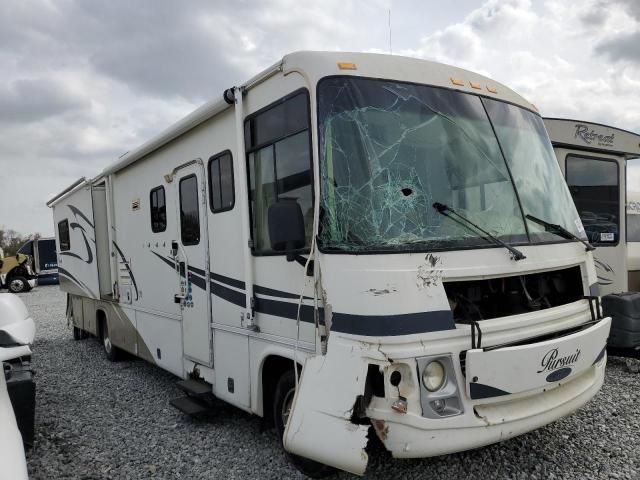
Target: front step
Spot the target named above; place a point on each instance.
(189, 405)
(195, 388)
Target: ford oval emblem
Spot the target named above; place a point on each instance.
(558, 374)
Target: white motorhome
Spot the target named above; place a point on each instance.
(593, 159)
(376, 219)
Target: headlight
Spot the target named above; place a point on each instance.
(433, 376)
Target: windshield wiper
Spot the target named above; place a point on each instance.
(465, 222)
(560, 231)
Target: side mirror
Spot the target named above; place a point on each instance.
(286, 227)
(174, 248)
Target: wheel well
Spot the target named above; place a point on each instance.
(272, 369)
(18, 271)
(101, 317)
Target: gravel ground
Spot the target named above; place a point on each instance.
(102, 420)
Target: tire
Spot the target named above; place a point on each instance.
(110, 350)
(283, 397)
(18, 284)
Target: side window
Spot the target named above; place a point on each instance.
(594, 186)
(27, 248)
(189, 211)
(279, 157)
(63, 235)
(221, 192)
(158, 208)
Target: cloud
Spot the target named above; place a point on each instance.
(83, 81)
(622, 47)
(28, 99)
(549, 53)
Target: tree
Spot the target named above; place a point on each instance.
(11, 241)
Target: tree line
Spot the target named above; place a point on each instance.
(11, 241)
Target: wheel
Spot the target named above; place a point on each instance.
(18, 284)
(110, 350)
(282, 402)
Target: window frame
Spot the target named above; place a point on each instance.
(68, 242)
(248, 151)
(618, 184)
(213, 158)
(183, 179)
(164, 193)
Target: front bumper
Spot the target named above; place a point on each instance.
(412, 436)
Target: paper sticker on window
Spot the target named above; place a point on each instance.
(579, 225)
(607, 237)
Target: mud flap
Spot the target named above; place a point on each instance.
(319, 425)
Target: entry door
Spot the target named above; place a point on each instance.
(192, 263)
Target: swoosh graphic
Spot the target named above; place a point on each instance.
(126, 264)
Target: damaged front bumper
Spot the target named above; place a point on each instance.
(412, 436)
(338, 392)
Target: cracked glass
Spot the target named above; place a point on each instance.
(541, 187)
(389, 150)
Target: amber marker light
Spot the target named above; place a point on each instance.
(347, 66)
(457, 81)
(475, 85)
(492, 89)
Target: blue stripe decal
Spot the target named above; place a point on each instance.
(479, 390)
(392, 325)
(287, 310)
(65, 273)
(370, 325)
(600, 355)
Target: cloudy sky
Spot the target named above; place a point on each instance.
(83, 81)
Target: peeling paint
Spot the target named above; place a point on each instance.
(328, 316)
(428, 273)
(389, 289)
(382, 429)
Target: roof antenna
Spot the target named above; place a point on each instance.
(390, 50)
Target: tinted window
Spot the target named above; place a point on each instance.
(63, 235)
(158, 210)
(279, 163)
(189, 211)
(221, 192)
(595, 189)
(47, 254)
(27, 248)
(280, 120)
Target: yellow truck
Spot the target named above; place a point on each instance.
(16, 273)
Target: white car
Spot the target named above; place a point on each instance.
(17, 330)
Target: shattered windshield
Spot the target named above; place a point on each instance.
(541, 187)
(390, 150)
